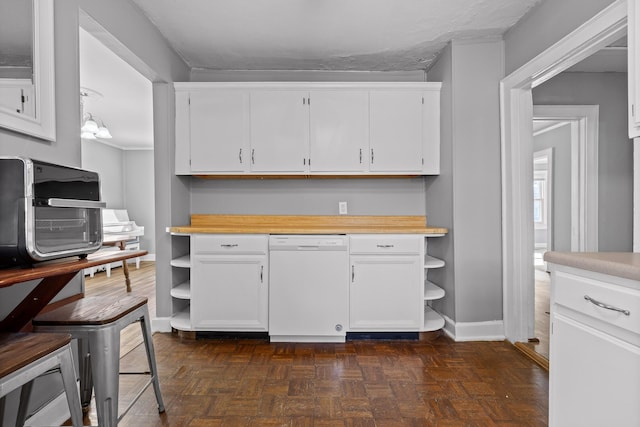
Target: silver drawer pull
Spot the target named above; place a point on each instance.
(385, 246)
(229, 245)
(607, 306)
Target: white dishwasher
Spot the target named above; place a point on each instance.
(308, 288)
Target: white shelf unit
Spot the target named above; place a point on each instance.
(181, 290)
(433, 321)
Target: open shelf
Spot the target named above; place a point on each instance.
(432, 262)
(182, 320)
(182, 291)
(432, 291)
(183, 261)
(432, 320)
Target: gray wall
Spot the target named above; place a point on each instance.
(108, 161)
(149, 53)
(470, 183)
(140, 195)
(402, 196)
(559, 140)
(127, 181)
(615, 153)
(544, 25)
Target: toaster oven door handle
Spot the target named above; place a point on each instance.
(75, 203)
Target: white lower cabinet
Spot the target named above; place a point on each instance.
(181, 283)
(594, 359)
(385, 291)
(230, 290)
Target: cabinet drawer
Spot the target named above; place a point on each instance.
(571, 291)
(229, 244)
(386, 244)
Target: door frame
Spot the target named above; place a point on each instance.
(516, 110)
(584, 122)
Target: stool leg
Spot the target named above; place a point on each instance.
(23, 406)
(84, 365)
(145, 325)
(69, 382)
(104, 346)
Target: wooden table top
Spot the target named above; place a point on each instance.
(11, 276)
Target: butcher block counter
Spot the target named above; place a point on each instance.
(307, 224)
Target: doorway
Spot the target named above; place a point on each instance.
(517, 166)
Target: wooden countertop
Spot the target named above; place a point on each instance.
(307, 224)
(620, 264)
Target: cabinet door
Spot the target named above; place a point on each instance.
(219, 131)
(395, 131)
(279, 131)
(385, 293)
(594, 378)
(339, 135)
(229, 293)
(633, 68)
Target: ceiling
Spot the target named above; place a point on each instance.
(341, 35)
(119, 96)
(371, 35)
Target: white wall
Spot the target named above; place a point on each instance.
(615, 153)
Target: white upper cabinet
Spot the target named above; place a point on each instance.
(279, 130)
(339, 137)
(308, 128)
(219, 131)
(396, 131)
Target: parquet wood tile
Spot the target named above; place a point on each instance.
(220, 381)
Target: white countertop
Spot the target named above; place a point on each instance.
(621, 264)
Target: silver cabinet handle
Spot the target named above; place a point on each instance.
(261, 273)
(253, 158)
(353, 273)
(607, 306)
(372, 156)
(229, 245)
(240, 155)
(361, 156)
(75, 203)
(385, 246)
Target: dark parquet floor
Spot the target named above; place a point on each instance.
(364, 383)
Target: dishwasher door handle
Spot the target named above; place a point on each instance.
(308, 247)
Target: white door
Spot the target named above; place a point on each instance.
(219, 131)
(385, 293)
(279, 131)
(229, 293)
(395, 131)
(339, 139)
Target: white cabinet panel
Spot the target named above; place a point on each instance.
(595, 378)
(385, 293)
(339, 133)
(229, 293)
(395, 131)
(279, 131)
(219, 131)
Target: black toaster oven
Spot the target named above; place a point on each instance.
(47, 211)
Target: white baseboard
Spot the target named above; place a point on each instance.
(53, 413)
(149, 257)
(161, 324)
(474, 331)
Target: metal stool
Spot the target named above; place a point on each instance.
(96, 322)
(24, 357)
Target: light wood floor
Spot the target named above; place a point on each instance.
(252, 382)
